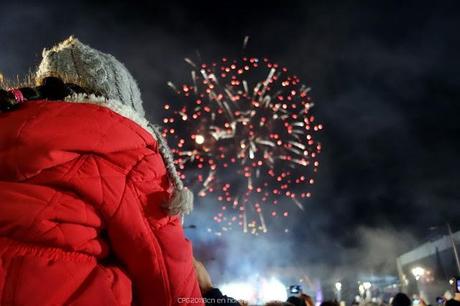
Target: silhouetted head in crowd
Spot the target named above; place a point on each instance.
(452, 302)
(401, 299)
(296, 301)
(276, 303)
(330, 303)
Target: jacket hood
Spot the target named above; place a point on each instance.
(41, 135)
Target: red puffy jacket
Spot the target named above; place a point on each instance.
(81, 223)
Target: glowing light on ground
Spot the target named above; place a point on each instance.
(257, 290)
(239, 291)
(273, 290)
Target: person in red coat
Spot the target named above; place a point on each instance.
(90, 202)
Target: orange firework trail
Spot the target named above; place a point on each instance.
(242, 131)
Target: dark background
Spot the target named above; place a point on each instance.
(384, 76)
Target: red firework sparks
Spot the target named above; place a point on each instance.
(243, 132)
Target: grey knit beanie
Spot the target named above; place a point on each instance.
(96, 71)
(104, 75)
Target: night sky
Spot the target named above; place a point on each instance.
(384, 78)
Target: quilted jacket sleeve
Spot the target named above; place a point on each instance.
(149, 243)
(103, 172)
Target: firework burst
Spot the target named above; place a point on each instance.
(242, 131)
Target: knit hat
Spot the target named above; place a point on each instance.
(109, 79)
(96, 71)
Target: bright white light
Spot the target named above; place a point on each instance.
(272, 290)
(239, 291)
(199, 139)
(338, 286)
(418, 272)
(367, 285)
(256, 291)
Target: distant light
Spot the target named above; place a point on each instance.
(338, 286)
(199, 139)
(239, 291)
(418, 272)
(273, 290)
(267, 290)
(367, 285)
